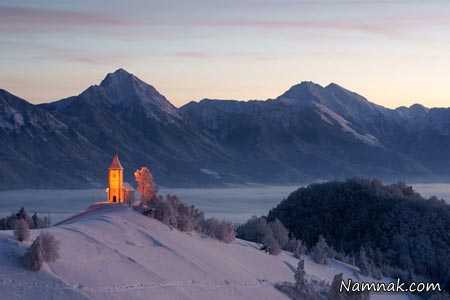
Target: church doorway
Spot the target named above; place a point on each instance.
(114, 199)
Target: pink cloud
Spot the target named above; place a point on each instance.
(77, 56)
(29, 19)
(344, 25)
(385, 26)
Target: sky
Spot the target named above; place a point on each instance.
(392, 52)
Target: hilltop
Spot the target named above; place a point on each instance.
(112, 252)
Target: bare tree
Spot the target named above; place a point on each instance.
(21, 230)
(45, 248)
(49, 246)
(145, 184)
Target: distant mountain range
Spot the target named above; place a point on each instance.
(308, 133)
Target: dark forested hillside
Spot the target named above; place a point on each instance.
(396, 226)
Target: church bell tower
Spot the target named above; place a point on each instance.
(115, 181)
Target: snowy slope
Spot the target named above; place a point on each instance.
(112, 252)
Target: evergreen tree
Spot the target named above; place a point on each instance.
(45, 248)
(402, 232)
(321, 251)
(363, 262)
(300, 249)
(299, 276)
(33, 258)
(334, 292)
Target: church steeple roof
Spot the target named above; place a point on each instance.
(115, 164)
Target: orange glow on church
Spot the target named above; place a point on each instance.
(115, 182)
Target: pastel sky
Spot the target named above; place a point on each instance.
(392, 52)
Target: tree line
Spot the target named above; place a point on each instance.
(386, 230)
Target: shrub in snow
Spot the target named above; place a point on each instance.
(303, 289)
(171, 211)
(187, 217)
(321, 251)
(335, 293)
(21, 230)
(280, 233)
(273, 235)
(254, 230)
(221, 230)
(270, 244)
(40, 222)
(209, 227)
(45, 248)
(163, 211)
(297, 247)
(291, 245)
(9, 222)
(225, 232)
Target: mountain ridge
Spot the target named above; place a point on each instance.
(307, 133)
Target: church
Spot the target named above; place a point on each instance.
(118, 191)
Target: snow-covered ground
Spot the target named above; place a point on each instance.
(112, 252)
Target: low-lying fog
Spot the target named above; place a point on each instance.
(232, 204)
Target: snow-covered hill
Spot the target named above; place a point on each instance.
(112, 252)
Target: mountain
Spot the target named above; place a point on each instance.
(33, 141)
(309, 132)
(113, 252)
(125, 115)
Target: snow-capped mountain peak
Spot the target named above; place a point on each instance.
(122, 87)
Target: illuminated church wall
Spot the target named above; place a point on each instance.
(115, 182)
